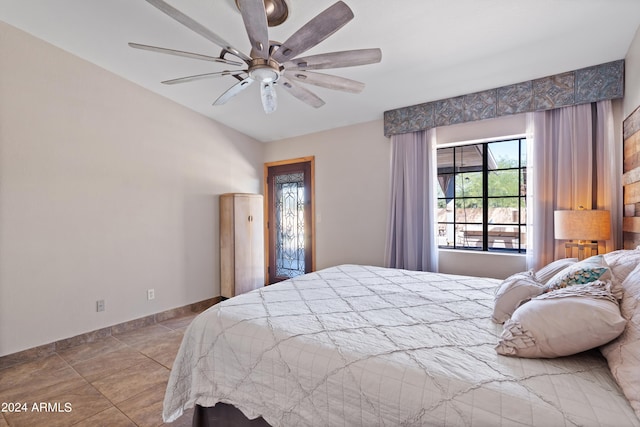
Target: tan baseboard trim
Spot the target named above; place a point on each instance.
(48, 349)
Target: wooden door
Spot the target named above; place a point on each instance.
(241, 243)
(243, 240)
(249, 255)
(255, 220)
(290, 218)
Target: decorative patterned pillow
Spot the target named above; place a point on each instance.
(563, 322)
(514, 291)
(587, 271)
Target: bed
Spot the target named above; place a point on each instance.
(356, 345)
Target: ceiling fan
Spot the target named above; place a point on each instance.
(271, 63)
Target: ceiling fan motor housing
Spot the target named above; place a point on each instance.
(277, 11)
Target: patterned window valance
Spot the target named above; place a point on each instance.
(591, 84)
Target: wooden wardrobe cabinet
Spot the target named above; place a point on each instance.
(241, 243)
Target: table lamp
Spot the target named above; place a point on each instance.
(583, 227)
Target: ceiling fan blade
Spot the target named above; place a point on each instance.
(313, 32)
(255, 22)
(301, 93)
(347, 58)
(326, 81)
(184, 54)
(203, 76)
(234, 90)
(197, 27)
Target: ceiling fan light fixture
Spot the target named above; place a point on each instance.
(277, 11)
(264, 71)
(264, 74)
(269, 97)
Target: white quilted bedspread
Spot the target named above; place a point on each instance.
(369, 346)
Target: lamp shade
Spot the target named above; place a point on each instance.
(582, 225)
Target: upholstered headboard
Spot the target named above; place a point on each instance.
(631, 180)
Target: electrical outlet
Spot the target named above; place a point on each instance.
(151, 294)
(100, 305)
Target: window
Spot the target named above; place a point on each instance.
(482, 196)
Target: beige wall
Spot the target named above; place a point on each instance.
(632, 76)
(106, 190)
(352, 190)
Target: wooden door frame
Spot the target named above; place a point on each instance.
(311, 160)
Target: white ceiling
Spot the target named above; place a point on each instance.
(431, 49)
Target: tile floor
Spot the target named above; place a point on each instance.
(117, 381)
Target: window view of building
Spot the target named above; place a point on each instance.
(482, 196)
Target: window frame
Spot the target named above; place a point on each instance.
(521, 198)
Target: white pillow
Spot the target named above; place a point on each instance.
(563, 322)
(514, 291)
(548, 271)
(623, 354)
(622, 262)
